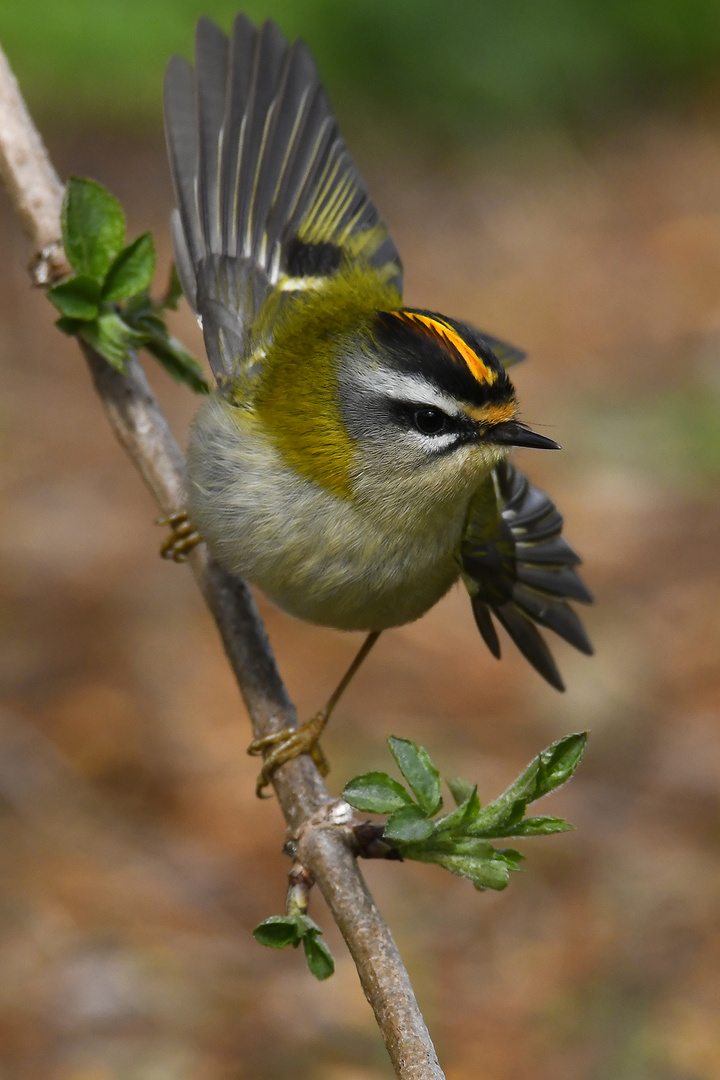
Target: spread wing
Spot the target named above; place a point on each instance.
(507, 354)
(518, 567)
(268, 198)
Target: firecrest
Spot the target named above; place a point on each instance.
(353, 460)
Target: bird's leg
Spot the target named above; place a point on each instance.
(289, 743)
(182, 539)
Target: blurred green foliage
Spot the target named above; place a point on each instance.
(452, 70)
(672, 436)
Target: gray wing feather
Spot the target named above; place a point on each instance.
(240, 68)
(520, 569)
(299, 88)
(314, 129)
(269, 55)
(257, 163)
(181, 135)
(183, 259)
(211, 63)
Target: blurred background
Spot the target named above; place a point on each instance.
(551, 173)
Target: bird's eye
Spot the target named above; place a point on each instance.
(429, 420)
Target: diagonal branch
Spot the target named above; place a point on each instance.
(323, 845)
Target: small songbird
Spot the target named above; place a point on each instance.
(352, 461)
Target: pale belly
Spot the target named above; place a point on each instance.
(350, 577)
(317, 556)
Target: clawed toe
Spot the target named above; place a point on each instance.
(288, 744)
(182, 539)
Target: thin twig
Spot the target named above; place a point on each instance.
(322, 844)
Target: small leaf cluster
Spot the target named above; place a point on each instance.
(459, 840)
(107, 301)
(279, 931)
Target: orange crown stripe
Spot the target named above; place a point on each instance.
(450, 337)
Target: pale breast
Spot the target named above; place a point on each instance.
(317, 556)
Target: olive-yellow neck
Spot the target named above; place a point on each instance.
(297, 400)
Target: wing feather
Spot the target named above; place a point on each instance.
(211, 62)
(182, 142)
(518, 568)
(259, 168)
(240, 68)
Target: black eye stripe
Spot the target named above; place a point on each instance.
(430, 421)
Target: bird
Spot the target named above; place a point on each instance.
(352, 460)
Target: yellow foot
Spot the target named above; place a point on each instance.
(287, 744)
(183, 538)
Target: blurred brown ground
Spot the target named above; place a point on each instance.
(135, 857)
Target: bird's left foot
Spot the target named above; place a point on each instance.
(182, 539)
(290, 743)
(287, 744)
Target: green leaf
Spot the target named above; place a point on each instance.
(511, 857)
(409, 824)
(306, 925)
(173, 296)
(140, 307)
(559, 762)
(546, 772)
(131, 271)
(144, 320)
(460, 789)
(446, 844)
(277, 932)
(539, 826)
(93, 227)
(178, 362)
(140, 313)
(484, 873)
(515, 812)
(417, 768)
(77, 298)
(462, 816)
(467, 857)
(318, 956)
(112, 338)
(376, 793)
(71, 327)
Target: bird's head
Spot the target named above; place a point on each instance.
(428, 398)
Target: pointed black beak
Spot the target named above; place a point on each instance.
(513, 433)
